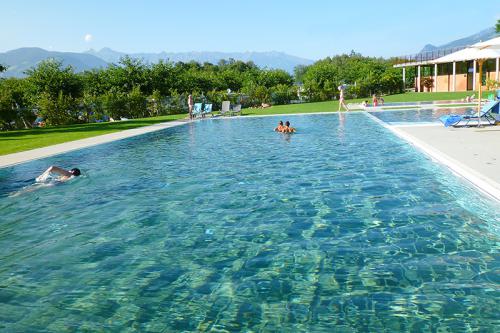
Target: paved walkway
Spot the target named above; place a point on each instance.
(473, 153)
(28, 155)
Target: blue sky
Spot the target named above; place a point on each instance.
(312, 29)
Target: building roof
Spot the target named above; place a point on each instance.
(489, 49)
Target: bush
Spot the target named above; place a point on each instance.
(492, 84)
(15, 106)
(114, 104)
(60, 111)
(282, 94)
(136, 104)
(427, 82)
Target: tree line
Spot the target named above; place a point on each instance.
(133, 89)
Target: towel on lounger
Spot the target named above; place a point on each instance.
(450, 120)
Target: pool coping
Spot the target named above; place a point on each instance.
(484, 184)
(61, 148)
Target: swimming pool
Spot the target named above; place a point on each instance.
(225, 225)
(411, 116)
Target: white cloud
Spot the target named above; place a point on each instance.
(88, 38)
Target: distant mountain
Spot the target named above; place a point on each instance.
(20, 60)
(271, 59)
(469, 40)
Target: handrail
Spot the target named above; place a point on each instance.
(423, 57)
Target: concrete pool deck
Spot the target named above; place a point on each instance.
(473, 153)
(33, 154)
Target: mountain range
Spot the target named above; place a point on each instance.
(469, 40)
(271, 59)
(22, 59)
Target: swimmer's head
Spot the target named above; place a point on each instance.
(75, 172)
(287, 123)
(281, 122)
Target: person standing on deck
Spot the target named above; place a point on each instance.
(190, 106)
(342, 98)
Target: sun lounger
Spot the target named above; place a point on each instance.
(236, 109)
(225, 108)
(463, 120)
(207, 109)
(197, 110)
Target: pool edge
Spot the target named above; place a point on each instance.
(479, 181)
(65, 147)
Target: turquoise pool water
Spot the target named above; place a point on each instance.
(410, 116)
(226, 226)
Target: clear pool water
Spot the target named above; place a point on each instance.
(226, 226)
(410, 116)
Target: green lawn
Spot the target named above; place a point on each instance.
(15, 141)
(334, 105)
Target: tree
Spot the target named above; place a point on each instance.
(114, 104)
(282, 94)
(51, 78)
(497, 27)
(56, 91)
(136, 104)
(59, 111)
(365, 76)
(2, 68)
(15, 106)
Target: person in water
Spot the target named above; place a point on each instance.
(280, 127)
(288, 128)
(62, 174)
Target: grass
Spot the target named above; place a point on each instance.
(16, 141)
(334, 105)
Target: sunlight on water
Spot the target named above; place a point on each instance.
(411, 116)
(225, 226)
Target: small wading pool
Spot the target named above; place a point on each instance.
(224, 225)
(412, 116)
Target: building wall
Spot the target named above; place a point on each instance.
(444, 83)
(461, 82)
(445, 79)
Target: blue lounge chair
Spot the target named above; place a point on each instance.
(197, 110)
(486, 113)
(207, 110)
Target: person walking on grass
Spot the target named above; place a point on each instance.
(342, 98)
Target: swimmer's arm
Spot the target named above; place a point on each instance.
(59, 171)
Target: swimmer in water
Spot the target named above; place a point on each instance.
(62, 175)
(288, 128)
(280, 127)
